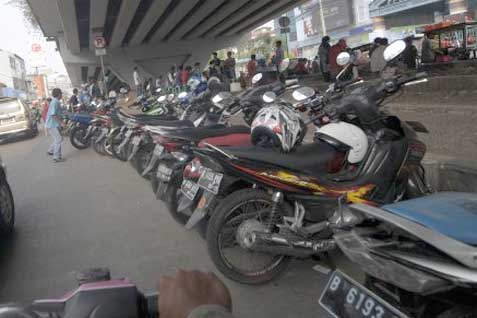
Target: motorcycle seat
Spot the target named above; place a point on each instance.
(200, 133)
(453, 214)
(165, 123)
(312, 159)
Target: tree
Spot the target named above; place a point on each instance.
(27, 12)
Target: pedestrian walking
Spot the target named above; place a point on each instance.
(137, 82)
(323, 52)
(229, 66)
(54, 122)
(333, 53)
(44, 112)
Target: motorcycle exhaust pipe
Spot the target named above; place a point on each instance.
(279, 245)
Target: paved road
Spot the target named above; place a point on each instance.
(96, 211)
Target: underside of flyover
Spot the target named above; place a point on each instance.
(149, 34)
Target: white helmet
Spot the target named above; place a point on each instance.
(278, 127)
(343, 135)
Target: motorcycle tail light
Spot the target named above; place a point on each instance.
(193, 170)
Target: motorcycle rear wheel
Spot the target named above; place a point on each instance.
(77, 137)
(229, 211)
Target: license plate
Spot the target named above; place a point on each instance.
(158, 150)
(164, 172)
(7, 121)
(210, 180)
(345, 298)
(136, 141)
(189, 189)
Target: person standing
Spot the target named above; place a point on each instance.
(410, 54)
(186, 75)
(229, 66)
(171, 76)
(196, 72)
(377, 61)
(137, 82)
(333, 53)
(323, 52)
(54, 122)
(44, 112)
(252, 67)
(279, 55)
(315, 66)
(427, 53)
(73, 100)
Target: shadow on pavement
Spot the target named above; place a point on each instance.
(15, 138)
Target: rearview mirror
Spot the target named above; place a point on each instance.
(158, 90)
(284, 65)
(256, 78)
(343, 58)
(303, 93)
(269, 97)
(182, 95)
(161, 99)
(393, 50)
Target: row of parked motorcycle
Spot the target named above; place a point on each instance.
(261, 195)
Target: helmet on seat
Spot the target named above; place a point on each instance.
(277, 127)
(345, 137)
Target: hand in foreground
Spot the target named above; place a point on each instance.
(179, 296)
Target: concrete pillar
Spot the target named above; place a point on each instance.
(457, 6)
(379, 24)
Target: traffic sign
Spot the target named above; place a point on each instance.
(99, 42)
(284, 21)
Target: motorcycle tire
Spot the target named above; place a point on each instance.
(120, 155)
(7, 208)
(142, 158)
(218, 222)
(77, 137)
(97, 147)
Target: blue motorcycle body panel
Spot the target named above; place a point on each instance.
(84, 119)
(453, 214)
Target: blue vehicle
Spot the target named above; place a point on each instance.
(77, 128)
(419, 257)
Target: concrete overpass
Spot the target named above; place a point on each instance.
(149, 34)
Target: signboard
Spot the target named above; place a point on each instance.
(284, 22)
(37, 56)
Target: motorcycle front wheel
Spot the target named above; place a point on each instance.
(77, 137)
(245, 208)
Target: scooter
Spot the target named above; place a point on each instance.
(97, 295)
(250, 223)
(418, 257)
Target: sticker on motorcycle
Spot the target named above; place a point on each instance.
(210, 180)
(189, 189)
(345, 298)
(136, 141)
(158, 150)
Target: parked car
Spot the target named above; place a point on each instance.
(16, 117)
(7, 206)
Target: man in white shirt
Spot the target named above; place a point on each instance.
(137, 82)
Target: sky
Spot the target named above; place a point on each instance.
(17, 37)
